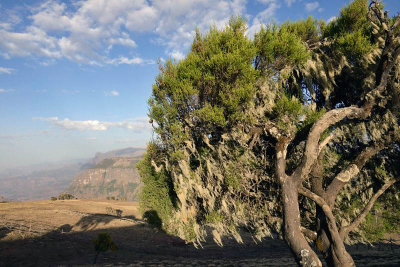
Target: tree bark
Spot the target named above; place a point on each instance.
(339, 255)
(294, 237)
(304, 254)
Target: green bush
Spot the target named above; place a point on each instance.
(66, 196)
(103, 243)
(157, 194)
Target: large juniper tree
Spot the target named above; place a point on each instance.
(295, 132)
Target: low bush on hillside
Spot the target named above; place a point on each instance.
(66, 196)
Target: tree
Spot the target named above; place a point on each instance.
(292, 133)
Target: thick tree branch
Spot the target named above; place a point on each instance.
(350, 172)
(337, 241)
(312, 145)
(317, 175)
(356, 222)
(336, 115)
(326, 141)
(281, 151)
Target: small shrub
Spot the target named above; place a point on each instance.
(53, 198)
(66, 196)
(114, 212)
(103, 243)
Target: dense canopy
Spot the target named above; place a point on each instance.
(293, 132)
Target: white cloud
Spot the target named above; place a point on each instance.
(138, 124)
(112, 93)
(87, 30)
(263, 17)
(311, 6)
(6, 70)
(3, 91)
(130, 61)
(331, 19)
(177, 55)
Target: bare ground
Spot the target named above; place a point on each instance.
(59, 233)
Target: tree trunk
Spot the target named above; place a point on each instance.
(305, 256)
(333, 256)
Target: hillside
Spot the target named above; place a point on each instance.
(51, 233)
(125, 152)
(115, 177)
(42, 181)
(38, 184)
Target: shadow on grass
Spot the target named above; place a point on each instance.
(142, 244)
(4, 231)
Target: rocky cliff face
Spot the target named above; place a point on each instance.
(115, 177)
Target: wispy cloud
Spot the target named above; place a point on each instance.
(177, 55)
(264, 16)
(112, 93)
(6, 70)
(311, 6)
(130, 61)
(4, 91)
(138, 124)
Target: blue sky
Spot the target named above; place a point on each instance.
(75, 76)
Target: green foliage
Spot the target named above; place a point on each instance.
(66, 196)
(212, 85)
(287, 112)
(309, 30)
(311, 117)
(188, 231)
(53, 198)
(103, 243)
(157, 194)
(213, 218)
(212, 115)
(218, 113)
(231, 177)
(351, 31)
(279, 46)
(382, 220)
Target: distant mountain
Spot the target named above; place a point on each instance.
(115, 177)
(39, 184)
(125, 152)
(43, 181)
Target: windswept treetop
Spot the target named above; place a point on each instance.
(295, 132)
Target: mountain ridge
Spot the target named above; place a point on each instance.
(42, 181)
(112, 178)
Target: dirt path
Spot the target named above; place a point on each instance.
(49, 233)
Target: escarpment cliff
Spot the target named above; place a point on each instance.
(111, 178)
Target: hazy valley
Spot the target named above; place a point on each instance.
(40, 182)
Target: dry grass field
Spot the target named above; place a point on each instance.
(57, 233)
